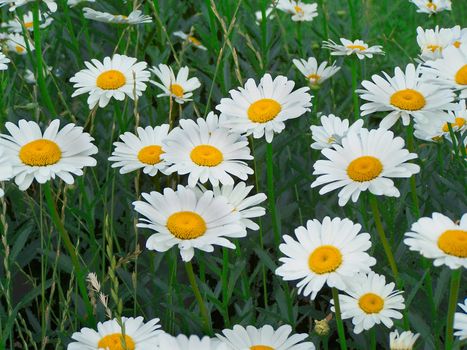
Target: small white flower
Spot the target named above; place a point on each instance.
(14, 4)
(191, 39)
(16, 26)
(193, 342)
(332, 130)
(16, 43)
(459, 36)
(135, 17)
(314, 73)
(432, 42)
(357, 47)
(403, 341)
(299, 10)
(432, 7)
(269, 16)
(460, 321)
(4, 62)
(180, 88)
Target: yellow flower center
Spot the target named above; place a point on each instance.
(314, 77)
(433, 48)
(371, 303)
(111, 80)
(194, 41)
(115, 342)
(430, 5)
(298, 9)
(206, 155)
(454, 242)
(177, 90)
(261, 347)
(325, 259)
(461, 76)
(264, 110)
(19, 49)
(28, 24)
(365, 168)
(459, 123)
(150, 154)
(186, 225)
(40, 153)
(356, 47)
(408, 99)
(121, 16)
(457, 44)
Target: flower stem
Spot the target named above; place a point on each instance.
(271, 193)
(340, 324)
(202, 306)
(453, 294)
(356, 107)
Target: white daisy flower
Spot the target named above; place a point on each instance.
(6, 171)
(188, 221)
(73, 3)
(135, 17)
(460, 321)
(450, 70)
(370, 301)
(34, 154)
(314, 73)
(182, 342)
(405, 95)
(142, 151)
(364, 162)
(432, 42)
(14, 4)
(432, 7)
(264, 338)
(116, 77)
(459, 36)
(262, 110)
(191, 39)
(180, 88)
(299, 10)
(259, 14)
(109, 335)
(4, 62)
(403, 341)
(15, 42)
(348, 47)
(441, 239)
(207, 152)
(324, 254)
(16, 26)
(332, 130)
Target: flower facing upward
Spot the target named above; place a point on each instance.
(34, 154)
(441, 239)
(460, 321)
(135, 17)
(324, 253)
(190, 39)
(299, 10)
(364, 162)
(432, 7)
(193, 342)
(14, 4)
(180, 88)
(432, 42)
(315, 74)
(261, 110)
(332, 131)
(4, 62)
(357, 47)
(16, 26)
(116, 77)
(403, 341)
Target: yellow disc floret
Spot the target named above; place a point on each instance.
(461, 76)
(150, 154)
(364, 168)
(111, 80)
(454, 242)
(325, 259)
(408, 99)
(264, 110)
(115, 342)
(206, 155)
(186, 225)
(371, 303)
(177, 90)
(40, 152)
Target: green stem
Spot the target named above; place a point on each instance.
(202, 306)
(340, 324)
(353, 17)
(71, 251)
(264, 32)
(373, 338)
(271, 193)
(356, 107)
(453, 294)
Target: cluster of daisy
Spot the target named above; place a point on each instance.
(299, 11)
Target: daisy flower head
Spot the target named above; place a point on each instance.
(6, 171)
(193, 342)
(73, 3)
(366, 161)
(432, 7)
(135, 17)
(190, 39)
(406, 94)
(141, 151)
(43, 156)
(116, 77)
(315, 74)
(357, 47)
(432, 42)
(184, 219)
(4, 61)
(332, 130)
(16, 26)
(459, 36)
(324, 254)
(207, 152)
(441, 239)
(370, 301)
(14, 4)
(264, 338)
(299, 10)
(180, 87)
(460, 321)
(402, 341)
(16, 43)
(109, 335)
(261, 110)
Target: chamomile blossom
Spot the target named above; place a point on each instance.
(16, 43)
(460, 321)
(191, 39)
(109, 335)
(16, 26)
(440, 238)
(332, 130)
(179, 87)
(315, 74)
(405, 95)
(207, 152)
(299, 10)
(459, 36)
(357, 47)
(266, 337)
(193, 342)
(14, 4)
(116, 77)
(432, 42)
(324, 254)
(43, 156)
(366, 161)
(4, 61)
(370, 301)
(73, 3)
(6, 171)
(141, 151)
(432, 7)
(182, 218)
(261, 110)
(402, 341)
(135, 17)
